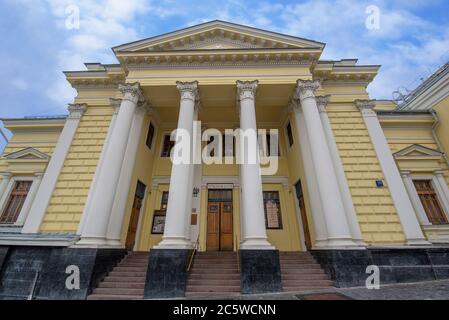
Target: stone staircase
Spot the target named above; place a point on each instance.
(214, 274)
(126, 281)
(300, 271)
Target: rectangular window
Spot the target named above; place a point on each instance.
(167, 146)
(159, 216)
(430, 202)
(289, 134)
(267, 152)
(15, 202)
(150, 136)
(272, 206)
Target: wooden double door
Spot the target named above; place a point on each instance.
(220, 221)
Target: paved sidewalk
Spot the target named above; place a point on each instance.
(431, 290)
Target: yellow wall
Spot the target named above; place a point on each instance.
(69, 197)
(442, 130)
(379, 222)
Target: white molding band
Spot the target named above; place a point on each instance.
(401, 200)
(50, 178)
(351, 216)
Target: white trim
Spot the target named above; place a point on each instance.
(404, 208)
(414, 197)
(48, 184)
(28, 200)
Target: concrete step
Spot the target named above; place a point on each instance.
(114, 297)
(311, 276)
(235, 276)
(214, 271)
(213, 282)
(215, 265)
(119, 291)
(124, 279)
(123, 285)
(130, 269)
(209, 288)
(127, 274)
(203, 295)
(306, 283)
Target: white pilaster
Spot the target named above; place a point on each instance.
(115, 103)
(414, 197)
(124, 183)
(404, 208)
(351, 216)
(255, 234)
(6, 178)
(50, 178)
(319, 222)
(339, 235)
(29, 199)
(439, 175)
(180, 192)
(96, 224)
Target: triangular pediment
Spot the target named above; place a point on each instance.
(27, 154)
(417, 150)
(218, 35)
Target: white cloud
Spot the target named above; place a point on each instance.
(19, 84)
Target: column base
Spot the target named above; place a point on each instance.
(256, 244)
(320, 244)
(94, 242)
(344, 243)
(115, 243)
(418, 242)
(174, 243)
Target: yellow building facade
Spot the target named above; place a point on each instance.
(355, 178)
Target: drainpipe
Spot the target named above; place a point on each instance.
(435, 137)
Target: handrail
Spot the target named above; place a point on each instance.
(192, 255)
(33, 286)
(238, 254)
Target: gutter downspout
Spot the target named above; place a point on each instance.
(435, 137)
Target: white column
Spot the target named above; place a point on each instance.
(115, 103)
(96, 224)
(255, 234)
(339, 235)
(319, 223)
(414, 197)
(351, 216)
(124, 183)
(439, 175)
(6, 178)
(404, 208)
(180, 192)
(441, 189)
(45, 191)
(29, 199)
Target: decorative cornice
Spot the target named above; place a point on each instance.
(132, 92)
(76, 110)
(188, 91)
(246, 89)
(366, 107)
(305, 89)
(322, 102)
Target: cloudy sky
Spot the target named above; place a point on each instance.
(411, 41)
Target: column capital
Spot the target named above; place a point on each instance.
(6, 175)
(438, 173)
(132, 92)
(115, 104)
(366, 107)
(322, 102)
(405, 174)
(294, 106)
(246, 89)
(76, 110)
(306, 89)
(39, 174)
(188, 91)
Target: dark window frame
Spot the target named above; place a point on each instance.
(151, 134)
(277, 200)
